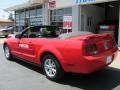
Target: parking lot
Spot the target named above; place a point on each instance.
(17, 75)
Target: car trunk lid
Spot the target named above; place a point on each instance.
(97, 43)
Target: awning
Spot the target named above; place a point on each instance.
(5, 20)
(25, 5)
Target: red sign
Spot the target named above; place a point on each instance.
(52, 4)
(67, 22)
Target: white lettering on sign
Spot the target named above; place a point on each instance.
(67, 22)
(84, 1)
(24, 46)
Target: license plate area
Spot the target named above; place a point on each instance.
(109, 59)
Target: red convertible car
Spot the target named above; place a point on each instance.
(78, 52)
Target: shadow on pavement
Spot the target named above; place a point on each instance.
(29, 66)
(106, 79)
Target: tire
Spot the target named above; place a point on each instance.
(52, 68)
(7, 52)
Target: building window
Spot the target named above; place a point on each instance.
(27, 14)
(33, 15)
(39, 11)
(22, 14)
(68, 11)
(56, 17)
(36, 16)
(17, 16)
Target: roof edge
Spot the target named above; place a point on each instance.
(27, 4)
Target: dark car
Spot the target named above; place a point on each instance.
(109, 27)
(5, 31)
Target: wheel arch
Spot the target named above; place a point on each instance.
(4, 44)
(52, 51)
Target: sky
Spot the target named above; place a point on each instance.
(8, 3)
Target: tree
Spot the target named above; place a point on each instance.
(11, 17)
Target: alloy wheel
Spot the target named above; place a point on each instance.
(50, 67)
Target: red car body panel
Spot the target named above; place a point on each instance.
(69, 52)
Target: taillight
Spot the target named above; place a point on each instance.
(91, 49)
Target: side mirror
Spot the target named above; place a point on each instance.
(18, 36)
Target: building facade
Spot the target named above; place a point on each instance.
(70, 15)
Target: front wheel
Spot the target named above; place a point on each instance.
(52, 68)
(7, 52)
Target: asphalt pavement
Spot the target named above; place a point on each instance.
(18, 75)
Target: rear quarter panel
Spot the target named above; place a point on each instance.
(68, 52)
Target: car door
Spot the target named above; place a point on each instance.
(26, 48)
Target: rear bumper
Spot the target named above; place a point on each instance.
(95, 65)
(91, 64)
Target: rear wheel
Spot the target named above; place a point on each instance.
(7, 52)
(52, 68)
